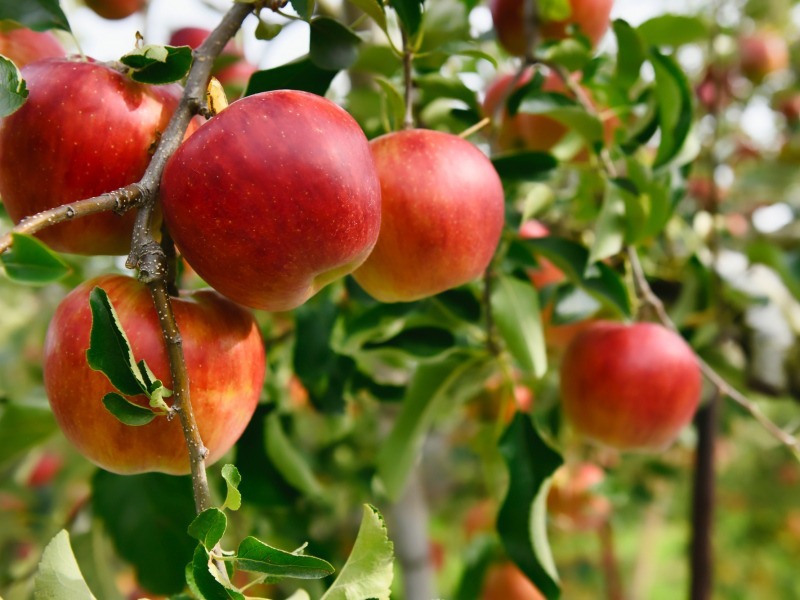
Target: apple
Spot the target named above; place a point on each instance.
(44, 470)
(505, 581)
(591, 17)
(442, 215)
(573, 501)
(546, 273)
(85, 129)
(629, 386)
(224, 358)
(274, 198)
(762, 53)
(115, 9)
(25, 46)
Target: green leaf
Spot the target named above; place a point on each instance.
(610, 228)
(31, 261)
(394, 103)
(301, 74)
(291, 464)
(631, 54)
(410, 14)
(674, 97)
(374, 9)
(158, 64)
(22, 427)
(13, 91)
(147, 517)
(521, 521)
(418, 342)
(433, 387)
(39, 15)
(233, 498)
(554, 10)
(563, 110)
(515, 309)
(434, 86)
(109, 349)
(368, 571)
(333, 46)
(527, 165)
(59, 575)
(674, 30)
(596, 278)
(304, 8)
(126, 411)
(267, 31)
(208, 527)
(570, 52)
(256, 556)
(203, 582)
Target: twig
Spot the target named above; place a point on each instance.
(408, 59)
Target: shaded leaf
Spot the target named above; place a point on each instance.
(304, 8)
(515, 309)
(418, 342)
(256, 556)
(526, 165)
(395, 104)
(208, 527)
(202, 581)
(31, 261)
(158, 64)
(674, 97)
(13, 91)
(301, 74)
(368, 571)
(610, 228)
(521, 521)
(59, 575)
(22, 427)
(233, 497)
(39, 15)
(410, 14)
(126, 411)
(333, 45)
(374, 9)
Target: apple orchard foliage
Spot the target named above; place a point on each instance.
(428, 304)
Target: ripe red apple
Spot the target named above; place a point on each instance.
(44, 470)
(224, 357)
(115, 9)
(573, 500)
(762, 53)
(194, 36)
(25, 46)
(442, 215)
(590, 16)
(504, 581)
(630, 387)
(85, 129)
(273, 198)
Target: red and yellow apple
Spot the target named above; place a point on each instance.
(505, 581)
(273, 198)
(86, 129)
(630, 386)
(115, 9)
(762, 53)
(591, 17)
(573, 500)
(442, 215)
(25, 46)
(224, 358)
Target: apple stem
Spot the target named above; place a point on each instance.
(408, 59)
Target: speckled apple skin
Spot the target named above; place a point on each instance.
(224, 357)
(630, 387)
(443, 213)
(84, 130)
(273, 198)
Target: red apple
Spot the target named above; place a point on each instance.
(274, 198)
(630, 387)
(546, 273)
(762, 53)
(85, 129)
(224, 357)
(590, 16)
(194, 36)
(44, 469)
(573, 501)
(504, 581)
(442, 215)
(24, 46)
(115, 9)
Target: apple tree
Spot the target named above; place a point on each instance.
(472, 300)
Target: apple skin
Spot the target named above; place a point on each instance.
(85, 129)
(442, 215)
(630, 387)
(573, 502)
(273, 198)
(762, 53)
(224, 358)
(115, 9)
(591, 17)
(25, 46)
(505, 581)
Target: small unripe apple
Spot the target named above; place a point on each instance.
(442, 215)
(115, 9)
(85, 129)
(274, 198)
(630, 387)
(25, 46)
(590, 16)
(762, 53)
(505, 581)
(224, 359)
